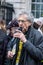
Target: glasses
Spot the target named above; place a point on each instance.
(22, 20)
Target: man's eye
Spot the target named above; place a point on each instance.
(21, 21)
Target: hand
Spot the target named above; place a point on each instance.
(19, 34)
(10, 54)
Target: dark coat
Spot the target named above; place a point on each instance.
(3, 43)
(32, 52)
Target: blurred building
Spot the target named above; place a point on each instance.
(34, 6)
(6, 11)
(37, 8)
(20, 5)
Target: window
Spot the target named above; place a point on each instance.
(8, 15)
(42, 0)
(37, 8)
(38, 0)
(33, 0)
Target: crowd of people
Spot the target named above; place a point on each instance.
(21, 41)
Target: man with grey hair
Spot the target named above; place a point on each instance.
(29, 15)
(30, 46)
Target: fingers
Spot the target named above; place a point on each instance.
(10, 54)
(18, 31)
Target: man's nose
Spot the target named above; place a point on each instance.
(20, 23)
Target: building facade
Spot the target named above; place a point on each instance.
(34, 6)
(20, 5)
(6, 11)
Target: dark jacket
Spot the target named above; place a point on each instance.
(3, 43)
(32, 52)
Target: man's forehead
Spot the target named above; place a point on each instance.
(23, 16)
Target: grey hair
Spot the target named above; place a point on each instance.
(30, 16)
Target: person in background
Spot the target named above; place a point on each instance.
(40, 29)
(30, 49)
(3, 41)
(36, 23)
(11, 27)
